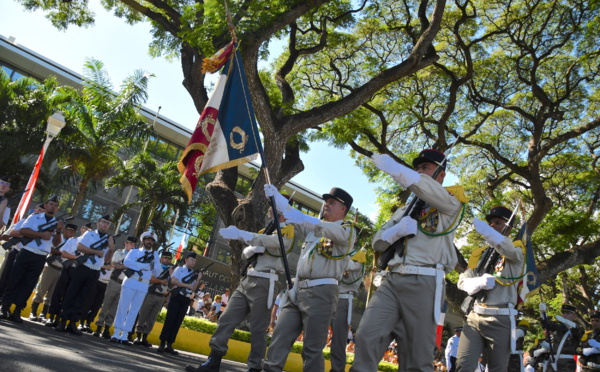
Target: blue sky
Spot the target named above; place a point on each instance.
(123, 49)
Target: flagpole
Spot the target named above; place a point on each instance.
(284, 259)
(55, 123)
(265, 167)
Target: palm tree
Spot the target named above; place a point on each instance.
(101, 127)
(159, 192)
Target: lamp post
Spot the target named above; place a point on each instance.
(56, 122)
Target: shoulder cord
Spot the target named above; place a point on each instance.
(362, 273)
(516, 279)
(286, 252)
(349, 252)
(450, 228)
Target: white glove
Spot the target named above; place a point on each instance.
(545, 345)
(594, 343)
(542, 307)
(234, 233)
(539, 352)
(474, 285)
(590, 350)
(566, 322)
(250, 250)
(406, 226)
(401, 174)
(296, 217)
(280, 201)
(492, 236)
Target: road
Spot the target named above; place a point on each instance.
(32, 347)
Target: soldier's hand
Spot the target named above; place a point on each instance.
(46, 235)
(400, 173)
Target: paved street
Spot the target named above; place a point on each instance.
(32, 347)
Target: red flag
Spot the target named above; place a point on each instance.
(180, 248)
(440, 326)
(26, 198)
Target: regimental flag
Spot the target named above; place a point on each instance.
(182, 244)
(439, 331)
(226, 133)
(26, 198)
(529, 284)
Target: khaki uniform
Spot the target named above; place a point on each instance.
(590, 362)
(492, 321)
(343, 316)
(254, 296)
(413, 290)
(311, 308)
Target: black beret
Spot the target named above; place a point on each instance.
(131, 239)
(569, 308)
(71, 226)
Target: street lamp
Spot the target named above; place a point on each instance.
(56, 122)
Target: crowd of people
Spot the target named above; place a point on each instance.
(416, 251)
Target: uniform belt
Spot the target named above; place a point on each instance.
(141, 279)
(564, 356)
(346, 295)
(415, 270)
(272, 276)
(36, 251)
(307, 283)
(494, 311)
(592, 364)
(437, 272)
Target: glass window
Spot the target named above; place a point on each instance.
(92, 211)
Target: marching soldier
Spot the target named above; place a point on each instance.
(13, 247)
(590, 360)
(254, 295)
(68, 254)
(141, 265)
(349, 285)
(155, 299)
(113, 290)
(566, 334)
(414, 287)
(93, 247)
(185, 281)
(50, 276)
(491, 323)
(312, 301)
(41, 231)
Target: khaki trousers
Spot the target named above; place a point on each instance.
(311, 314)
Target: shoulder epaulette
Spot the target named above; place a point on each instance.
(586, 335)
(458, 191)
(288, 231)
(261, 231)
(475, 256)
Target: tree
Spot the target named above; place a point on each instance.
(518, 82)
(101, 127)
(25, 105)
(315, 33)
(158, 191)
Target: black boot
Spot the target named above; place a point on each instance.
(98, 332)
(34, 309)
(145, 341)
(61, 327)
(44, 313)
(106, 334)
(72, 328)
(16, 316)
(212, 364)
(130, 336)
(169, 350)
(161, 348)
(138, 340)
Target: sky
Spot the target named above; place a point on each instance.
(124, 48)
